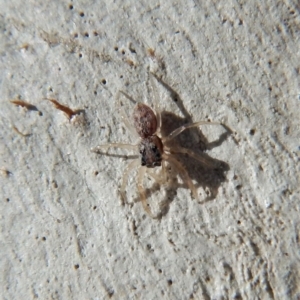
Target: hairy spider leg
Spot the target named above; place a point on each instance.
(99, 149)
(142, 193)
(203, 160)
(187, 180)
(161, 177)
(129, 168)
(124, 116)
(164, 171)
(183, 173)
(141, 174)
(154, 96)
(184, 127)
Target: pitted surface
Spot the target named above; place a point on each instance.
(64, 233)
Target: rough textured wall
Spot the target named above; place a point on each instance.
(64, 232)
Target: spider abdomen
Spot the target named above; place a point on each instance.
(144, 119)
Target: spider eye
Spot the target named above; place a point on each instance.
(155, 152)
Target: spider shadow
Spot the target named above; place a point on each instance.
(208, 176)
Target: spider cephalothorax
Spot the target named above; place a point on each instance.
(151, 150)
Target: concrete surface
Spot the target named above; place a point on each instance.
(64, 232)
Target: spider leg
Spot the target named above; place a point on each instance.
(156, 177)
(203, 160)
(141, 174)
(186, 126)
(124, 116)
(183, 173)
(106, 147)
(135, 163)
(161, 177)
(154, 96)
(164, 172)
(187, 180)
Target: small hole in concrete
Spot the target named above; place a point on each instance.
(252, 131)
(132, 50)
(54, 184)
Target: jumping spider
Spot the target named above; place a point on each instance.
(153, 148)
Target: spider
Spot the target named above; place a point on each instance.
(152, 147)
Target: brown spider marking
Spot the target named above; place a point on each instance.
(153, 150)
